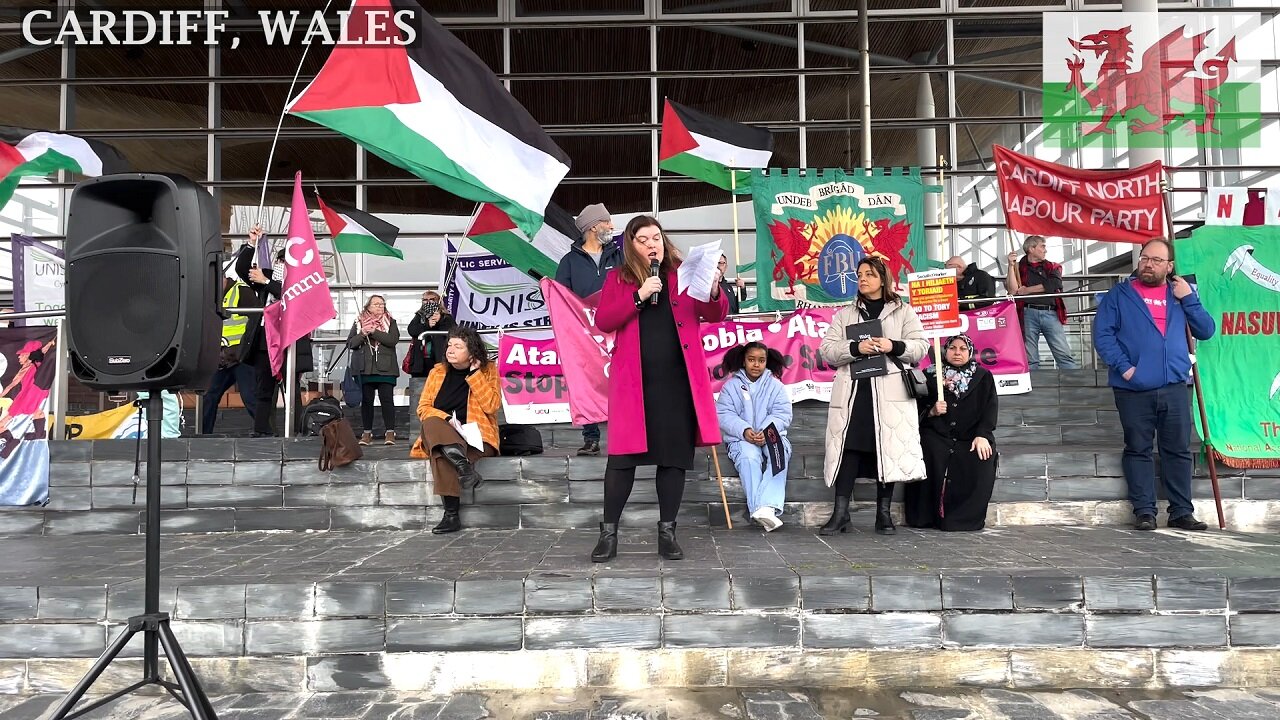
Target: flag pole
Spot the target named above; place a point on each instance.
(262, 198)
(733, 204)
(1195, 378)
(942, 202)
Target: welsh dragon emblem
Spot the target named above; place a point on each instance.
(1171, 69)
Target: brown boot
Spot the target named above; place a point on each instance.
(366, 438)
(391, 438)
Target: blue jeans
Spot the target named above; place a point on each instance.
(242, 376)
(762, 487)
(1165, 412)
(1036, 322)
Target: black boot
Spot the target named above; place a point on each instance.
(839, 521)
(607, 546)
(451, 522)
(457, 457)
(667, 545)
(884, 501)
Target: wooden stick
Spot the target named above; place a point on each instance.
(715, 459)
(937, 364)
(733, 206)
(1195, 378)
(942, 206)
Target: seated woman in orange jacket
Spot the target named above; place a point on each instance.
(464, 387)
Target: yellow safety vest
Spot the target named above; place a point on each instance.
(233, 327)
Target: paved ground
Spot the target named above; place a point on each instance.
(227, 558)
(1223, 704)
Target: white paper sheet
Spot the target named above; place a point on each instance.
(469, 432)
(697, 274)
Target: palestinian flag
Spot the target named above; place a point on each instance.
(495, 231)
(356, 231)
(26, 153)
(705, 147)
(436, 110)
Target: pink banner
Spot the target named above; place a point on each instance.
(305, 303)
(535, 388)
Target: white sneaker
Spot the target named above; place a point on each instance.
(768, 517)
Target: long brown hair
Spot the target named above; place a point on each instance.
(635, 267)
(886, 284)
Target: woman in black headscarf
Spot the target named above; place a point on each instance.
(957, 433)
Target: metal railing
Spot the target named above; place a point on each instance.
(1081, 330)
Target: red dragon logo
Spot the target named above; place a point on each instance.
(793, 240)
(1168, 72)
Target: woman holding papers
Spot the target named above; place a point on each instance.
(459, 414)
(873, 428)
(660, 402)
(755, 412)
(958, 437)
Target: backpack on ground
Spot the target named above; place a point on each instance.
(515, 440)
(338, 446)
(320, 412)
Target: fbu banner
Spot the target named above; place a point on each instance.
(534, 389)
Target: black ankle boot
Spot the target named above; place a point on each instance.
(839, 521)
(450, 523)
(667, 545)
(884, 503)
(468, 477)
(607, 546)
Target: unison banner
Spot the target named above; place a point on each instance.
(39, 278)
(535, 389)
(1237, 271)
(1044, 198)
(813, 227)
(484, 292)
(26, 373)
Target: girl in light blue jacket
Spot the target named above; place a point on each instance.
(754, 404)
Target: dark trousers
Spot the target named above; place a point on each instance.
(386, 394)
(240, 375)
(1164, 413)
(591, 432)
(264, 392)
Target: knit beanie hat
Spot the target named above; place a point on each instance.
(591, 215)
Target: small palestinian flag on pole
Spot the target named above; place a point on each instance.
(356, 231)
(25, 153)
(434, 109)
(704, 147)
(495, 231)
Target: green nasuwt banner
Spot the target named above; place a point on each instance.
(814, 226)
(1237, 272)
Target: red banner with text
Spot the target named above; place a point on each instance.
(1044, 198)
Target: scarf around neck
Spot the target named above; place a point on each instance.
(370, 322)
(956, 378)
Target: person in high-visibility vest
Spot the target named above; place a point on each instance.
(230, 370)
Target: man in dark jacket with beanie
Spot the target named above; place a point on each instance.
(583, 270)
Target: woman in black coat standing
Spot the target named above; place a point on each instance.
(957, 433)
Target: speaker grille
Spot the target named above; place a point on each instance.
(134, 318)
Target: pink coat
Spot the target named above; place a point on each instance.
(617, 314)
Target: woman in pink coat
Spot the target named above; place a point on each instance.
(660, 403)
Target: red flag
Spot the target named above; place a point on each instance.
(584, 351)
(305, 303)
(1044, 198)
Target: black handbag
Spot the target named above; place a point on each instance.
(917, 385)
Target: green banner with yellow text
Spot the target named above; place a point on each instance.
(1237, 273)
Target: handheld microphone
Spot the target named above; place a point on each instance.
(653, 272)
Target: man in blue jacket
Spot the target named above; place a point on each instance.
(583, 270)
(1140, 332)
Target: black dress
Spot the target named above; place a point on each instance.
(669, 418)
(958, 485)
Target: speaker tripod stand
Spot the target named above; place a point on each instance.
(153, 624)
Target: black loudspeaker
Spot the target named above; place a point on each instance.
(143, 279)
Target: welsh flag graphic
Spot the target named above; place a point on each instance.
(26, 153)
(436, 110)
(1115, 79)
(356, 231)
(705, 147)
(495, 231)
